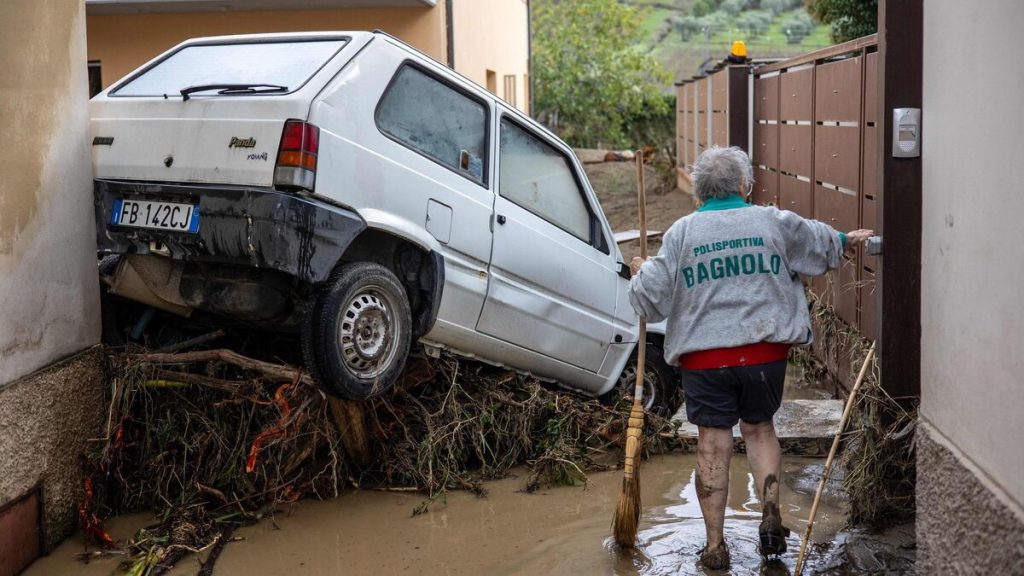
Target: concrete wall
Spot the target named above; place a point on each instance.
(972, 317)
(492, 36)
(122, 43)
(49, 293)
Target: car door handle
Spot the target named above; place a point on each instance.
(500, 219)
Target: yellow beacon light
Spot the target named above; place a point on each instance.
(739, 49)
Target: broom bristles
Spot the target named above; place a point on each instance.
(627, 514)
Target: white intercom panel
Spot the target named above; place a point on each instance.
(906, 132)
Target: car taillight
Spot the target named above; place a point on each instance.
(296, 157)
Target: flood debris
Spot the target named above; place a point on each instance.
(878, 454)
(212, 440)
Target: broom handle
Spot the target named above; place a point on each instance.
(641, 356)
(831, 456)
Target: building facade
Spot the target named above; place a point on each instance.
(970, 500)
(51, 385)
(486, 40)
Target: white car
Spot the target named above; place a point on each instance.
(347, 187)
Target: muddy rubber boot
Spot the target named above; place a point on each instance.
(773, 534)
(716, 558)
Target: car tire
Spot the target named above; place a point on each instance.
(662, 387)
(357, 334)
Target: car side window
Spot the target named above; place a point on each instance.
(538, 177)
(436, 120)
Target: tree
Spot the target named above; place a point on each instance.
(688, 26)
(777, 7)
(733, 7)
(590, 79)
(849, 19)
(703, 7)
(797, 27)
(754, 23)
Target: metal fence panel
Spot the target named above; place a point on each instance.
(796, 152)
(837, 95)
(797, 95)
(837, 156)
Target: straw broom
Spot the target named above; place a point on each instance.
(831, 456)
(627, 514)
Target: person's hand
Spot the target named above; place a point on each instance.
(635, 264)
(854, 237)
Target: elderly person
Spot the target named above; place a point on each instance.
(727, 279)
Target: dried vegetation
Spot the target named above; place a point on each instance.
(212, 440)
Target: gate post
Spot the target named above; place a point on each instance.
(900, 48)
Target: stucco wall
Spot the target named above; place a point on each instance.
(493, 35)
(49, 420)
(122, 43)
(964, 524)
(49, 294)
(972, 317)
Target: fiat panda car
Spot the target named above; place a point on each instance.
(350, 189)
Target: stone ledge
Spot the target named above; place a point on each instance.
(804, 427)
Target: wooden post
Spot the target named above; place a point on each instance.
(900, 49)
(350, 418)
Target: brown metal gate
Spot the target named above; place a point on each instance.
(814, 149)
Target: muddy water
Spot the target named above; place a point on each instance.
(563, 530)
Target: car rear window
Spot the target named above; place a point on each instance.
(290, 64)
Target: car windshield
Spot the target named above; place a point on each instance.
(287, 63)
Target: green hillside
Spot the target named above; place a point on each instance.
(683, 33)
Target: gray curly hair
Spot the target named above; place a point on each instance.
(719, 172)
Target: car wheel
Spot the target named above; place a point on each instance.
(662, 393)
(357, 334)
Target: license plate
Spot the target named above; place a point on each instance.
(156, 215)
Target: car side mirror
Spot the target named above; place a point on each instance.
(624, 271)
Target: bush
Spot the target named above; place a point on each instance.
(733, 7)
(754, 23)
(688, 27)
(777, 7)
(797, 27)
(589, 77)
(703, 8)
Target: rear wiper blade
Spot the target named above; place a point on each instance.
(232, 89)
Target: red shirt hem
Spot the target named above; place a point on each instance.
(749, 355)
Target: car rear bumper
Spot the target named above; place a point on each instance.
(238, 225)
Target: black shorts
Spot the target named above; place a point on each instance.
(721, 397)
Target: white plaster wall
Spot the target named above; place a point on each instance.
(972, 295)
(49, 295)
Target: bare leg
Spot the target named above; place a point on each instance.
(714, 449)
(765, 459)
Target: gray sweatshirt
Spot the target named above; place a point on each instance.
(729, 275)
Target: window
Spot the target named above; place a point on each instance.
(437, 121)
(288, 64)
(95, 79)
(510, 89)
(492, 82)
(536, 176)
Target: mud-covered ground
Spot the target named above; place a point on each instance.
(616, 187)
(565, 530)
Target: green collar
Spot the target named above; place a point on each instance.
(733, 201)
